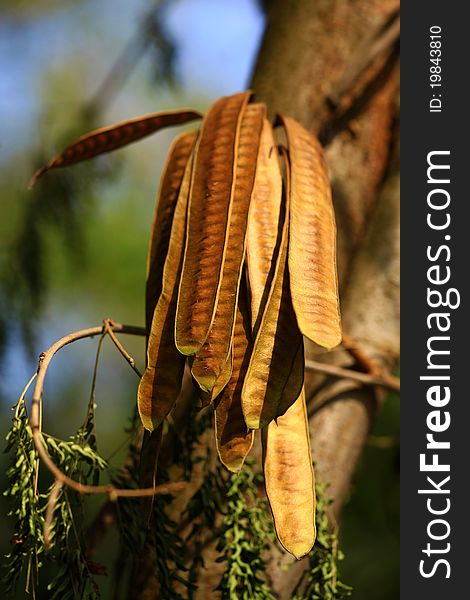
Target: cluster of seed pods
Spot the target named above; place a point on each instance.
(241, 266)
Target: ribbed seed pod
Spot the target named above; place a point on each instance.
(208, 221)
(107, 139)
(233, 439)
(163, 218)
(221, 199)
(274, 349)
(312, 239)
(262, 236)
(161, 382)
(289, 478)
(213, 355)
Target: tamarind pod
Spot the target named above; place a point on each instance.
(275, 347)
(209, 211)
(233, 439)
(212, 356)
(170, 184)
(161, 382)
(263, 223)
(107, 139)
(312, 239)
(289, 478)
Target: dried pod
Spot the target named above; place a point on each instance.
(295, 381)
(113, 137)
(312, 239)
(207, 397)
(163, 218)
(208, 221)
(289, 478)
(211, 358)
(262, 235)
(161, 382)
(149, 452)
(274, 350)
(223, 198)
(233, 439)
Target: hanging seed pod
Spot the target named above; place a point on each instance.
(223, 198)
(211, 358)
(161, 382)
(233, 440)
(295, 381)
(207, 397)
(163, 219)
(262, 235)
(149, 452)
(113, 137)
(312, 239)
(274, 350)
(208, 221)
(289, 478)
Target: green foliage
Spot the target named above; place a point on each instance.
(245, 536)
(320, 581)
(227, 507)
(27, 551)
(75, 575)
(78, 458)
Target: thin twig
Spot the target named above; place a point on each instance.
(35, 422)
(111, 327)
(20, 402)
(386, 381)
(359, 355)
(108, 325)
(120, 70)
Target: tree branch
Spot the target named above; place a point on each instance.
(36, 425)
(386, 381)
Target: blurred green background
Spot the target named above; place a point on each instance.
(74, 251)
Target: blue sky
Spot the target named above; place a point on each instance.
(216, 39)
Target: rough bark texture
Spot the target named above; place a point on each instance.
(307, 54)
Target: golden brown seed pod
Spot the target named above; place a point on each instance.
(208, 221)
(113, 137)
(312, 239)
(289, 478)
(163, 218)
(233, 439)
(262, 236)
(212, 357)
(275, 348)
(207, 397)
(295, 381)
(161, 382)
